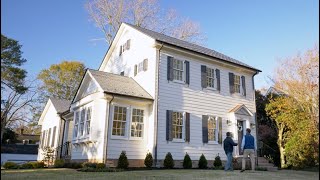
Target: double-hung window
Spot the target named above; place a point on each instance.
(237, 84)
(140, 67)
(76, 124)
(88, 119)
(178, 69)
(210, 78)
(81, 131)
(137, 123)
(212, 129)
(177, 125)
(119, 121)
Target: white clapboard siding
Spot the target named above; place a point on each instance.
(196, 101)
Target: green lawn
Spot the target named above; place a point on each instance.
(49, 174)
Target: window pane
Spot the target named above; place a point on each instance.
(119, 121)
(137, 123)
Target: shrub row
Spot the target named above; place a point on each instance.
(28, 165)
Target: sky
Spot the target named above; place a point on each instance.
(258, 33)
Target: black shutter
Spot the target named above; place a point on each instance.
(204, 129)
(231, 82)
(120, 52)
(135, 69)
(218, 79)
(170, 68)
(187, 127)
(220, 130)
(203, 76)
(243, 79)
(169, 126)
(145, 64)
(187, 72)
(128, 44)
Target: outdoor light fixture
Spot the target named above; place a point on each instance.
(229, 122)
(252, 125)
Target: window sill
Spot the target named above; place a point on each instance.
(179, 82)
(119, 137)
(136, 138)
(178, 141)
(213, 143)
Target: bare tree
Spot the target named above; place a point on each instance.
(15, 107)
(109, 14)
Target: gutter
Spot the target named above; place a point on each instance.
(64, 126)
(255, 115)
(156, 109)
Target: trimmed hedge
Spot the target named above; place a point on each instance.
(148, 161)
(123, 162)
(203, 163)
(58, 163)
(27, 165)
(168, 161)
(73, 165)
(187, 163)
(10, 165)
(38, 164)
(101, 165)
(217, 162)
(89, 165)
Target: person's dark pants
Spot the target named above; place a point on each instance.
(228, 165)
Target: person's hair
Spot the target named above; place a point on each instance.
(228, 134)
(248, 130)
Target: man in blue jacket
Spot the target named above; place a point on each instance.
(228, 149)
(248, 148)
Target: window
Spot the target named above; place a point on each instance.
(122, 73)
(177, 70)
(210, 77)
(48, 138)
(140, 66)
(177, 125)
(88, 119)
(76, 124)
(81, 131)
(137, 123)
(119, 121)
(53, 136)
(237, 84)
(212, 129)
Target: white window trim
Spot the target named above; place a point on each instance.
(127, 135)
(241, 90)
(183, 81)
(84, 135)
(217, 132)
(144, 123)
(215, 80)
(86, 121)
(175, 140)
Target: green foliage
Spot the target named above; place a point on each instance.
(59, 163)
(88, 169)
(10, 165)
(27, 165)
(101, 166)
(37, 164)
(61, 81)
(203, 163)
(187, 163)
(89, 165)
(12, 75)
(73, 165)
(48, 154)
(9, 135)
(217, 162)
(123, 162)
(168, 161)
(148, 161)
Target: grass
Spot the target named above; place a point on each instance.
(192, 174)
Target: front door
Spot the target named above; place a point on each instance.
(240, 135)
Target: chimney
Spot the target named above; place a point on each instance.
(21, 131)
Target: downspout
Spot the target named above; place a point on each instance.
(156, 108)
(106, 130)
(255, 115)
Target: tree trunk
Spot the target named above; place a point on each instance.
(281, 148)
(2, 132)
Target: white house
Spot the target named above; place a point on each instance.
(154, 93)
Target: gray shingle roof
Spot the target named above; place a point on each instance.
(61, 105)
(189, 46)
(117, 84)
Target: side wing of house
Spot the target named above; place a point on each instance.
(50, 129)
(196, 95)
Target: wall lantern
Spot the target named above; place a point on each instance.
(252, 125)
(229, 122)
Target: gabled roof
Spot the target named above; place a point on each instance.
(60, 105)
(242, 110)
(190, 46)
(117, 84)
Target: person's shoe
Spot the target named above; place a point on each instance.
(242, 170)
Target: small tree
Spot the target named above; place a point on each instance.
(187, 163)
(48, 154)
(217, 162)
(168, 161)
(148, 161)
(123, 161)
(203, 163)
